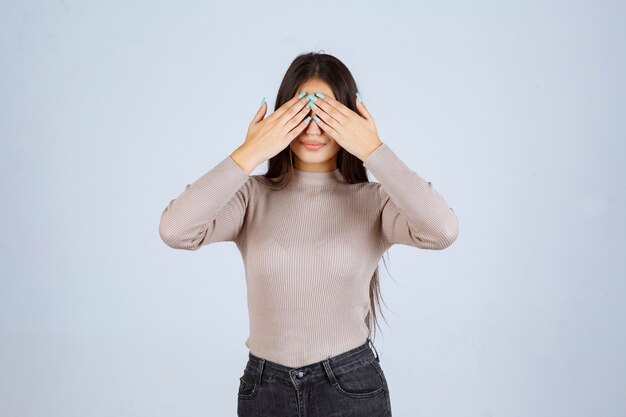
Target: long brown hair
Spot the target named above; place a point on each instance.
(327, 68)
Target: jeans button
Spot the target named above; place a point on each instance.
(300, 375)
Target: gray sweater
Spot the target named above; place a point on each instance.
(310, 249)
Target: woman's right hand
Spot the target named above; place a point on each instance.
(267, 137)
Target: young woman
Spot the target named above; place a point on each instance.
(311, 232)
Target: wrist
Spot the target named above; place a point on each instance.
(245, 158)
(372, 149)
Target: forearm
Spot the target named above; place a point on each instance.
(189, 220)
(430, 222)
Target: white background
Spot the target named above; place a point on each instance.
(514, 111)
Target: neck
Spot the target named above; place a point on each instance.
(318, 177)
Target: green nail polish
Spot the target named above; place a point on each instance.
(312, 105)
(317, 119)
(308, 119)
(320, 95)
(359, 97)
(302, 94)
(262, 101)
(311, 97)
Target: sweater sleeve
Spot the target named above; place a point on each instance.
(412, 212)
(211, 209)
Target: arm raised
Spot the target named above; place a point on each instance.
(211, 209)
(412, 212)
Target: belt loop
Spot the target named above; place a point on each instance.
(329, 371)
(261, 368)
(373, 347)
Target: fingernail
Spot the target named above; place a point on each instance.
(317, 119)
(311, 105)
(308, 119)
(320, 95)
(311, 97)
(302, 94)
(262, 101)
(359, 97)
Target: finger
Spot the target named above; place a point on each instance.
(326, 127)
(333, 117)
(327, 118)
(299, 117)
(260, 113)
(362, 109)
(329, 103)
(282, 110)
(299, 105)
(298, 129)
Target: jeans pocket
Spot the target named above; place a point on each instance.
(363, 380)
(248, 386)
(380, 370)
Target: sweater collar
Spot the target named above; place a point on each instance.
(318, 177)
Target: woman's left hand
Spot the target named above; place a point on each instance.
(354, 133)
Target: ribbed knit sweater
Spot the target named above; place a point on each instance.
(309, 250)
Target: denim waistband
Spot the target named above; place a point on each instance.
(264, 369)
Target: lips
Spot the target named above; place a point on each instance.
(312, 142)
(313, 145)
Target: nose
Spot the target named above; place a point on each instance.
(313, 128)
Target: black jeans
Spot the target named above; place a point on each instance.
(351, 384)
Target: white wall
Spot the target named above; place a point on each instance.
(514, 111)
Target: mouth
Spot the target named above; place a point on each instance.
(312, 145)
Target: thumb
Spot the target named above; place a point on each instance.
(260, 114)
(361, 107)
